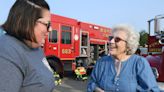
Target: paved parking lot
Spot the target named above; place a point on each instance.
(71, 85)
(161, 86)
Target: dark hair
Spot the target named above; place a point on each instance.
(138, 51)
(22, 18)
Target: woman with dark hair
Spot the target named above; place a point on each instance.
(23, 66)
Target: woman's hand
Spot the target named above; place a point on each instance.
(97, 89)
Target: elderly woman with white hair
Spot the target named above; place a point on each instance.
(122, 71)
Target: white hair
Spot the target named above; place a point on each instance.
(132, 36)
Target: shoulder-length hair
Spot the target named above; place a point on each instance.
(132, 37)
(22, 18)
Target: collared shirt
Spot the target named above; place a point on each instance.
(135, 75)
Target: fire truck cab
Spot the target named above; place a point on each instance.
(72, 41)
(156, 45)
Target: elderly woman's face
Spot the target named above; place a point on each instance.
(42, 28)
(118, 43)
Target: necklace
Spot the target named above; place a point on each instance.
(118, 67)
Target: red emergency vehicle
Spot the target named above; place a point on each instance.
(156, 45)
(73, 41)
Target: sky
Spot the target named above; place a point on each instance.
(102, 12)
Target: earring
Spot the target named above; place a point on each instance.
(127, 51)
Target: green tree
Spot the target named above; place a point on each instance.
(143, 37)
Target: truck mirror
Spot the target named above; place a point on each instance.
(161, 40)
(155, 72)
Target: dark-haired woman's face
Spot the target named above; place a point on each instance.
(42, 28)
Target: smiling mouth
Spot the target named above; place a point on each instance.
(112, 46)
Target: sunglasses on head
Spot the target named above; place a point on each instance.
(48, 25)
(116, 39)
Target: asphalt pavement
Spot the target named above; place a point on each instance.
(70, 84)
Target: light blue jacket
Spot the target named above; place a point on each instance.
(135, 75)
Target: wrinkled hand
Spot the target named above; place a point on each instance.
(98, 90)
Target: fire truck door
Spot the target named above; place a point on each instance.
(66, 47)
(84, 44)
(52, 47)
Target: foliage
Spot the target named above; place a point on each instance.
(143, 38)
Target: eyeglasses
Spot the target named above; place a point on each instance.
(48, 25)
(116, 39)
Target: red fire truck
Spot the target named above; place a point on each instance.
(73, 41)
(156, 45)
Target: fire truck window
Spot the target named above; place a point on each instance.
(53, 36)
(66, 28)
(84, 40)
(66, 37)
